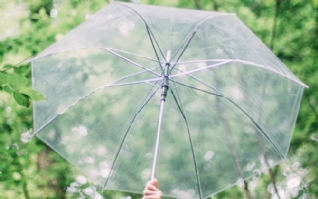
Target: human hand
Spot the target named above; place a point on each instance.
(152, 191)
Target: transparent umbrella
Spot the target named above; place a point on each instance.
(192, 98)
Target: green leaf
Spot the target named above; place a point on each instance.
(15, 81)
(7, 66)
(22, 70)
(22, 99)
(34, 95)
(7, 89)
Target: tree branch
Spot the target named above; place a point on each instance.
(18, 64)
(312, 107)
(272, 176)
(25, 189)
(277, 8)
(216, 6)
(247, 191)
(197, 4)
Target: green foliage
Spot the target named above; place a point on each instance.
(29, 169)
(14, 81)
(19, 87)
(21, 99)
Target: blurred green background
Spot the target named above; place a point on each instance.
(30, 169)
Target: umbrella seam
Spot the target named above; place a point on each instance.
(128, 130)
(191, 145)
(148, 30)
(110, 50)
(257, 126)
(205, 84)
(225, 61)
(149, 33)
(80, 48)
(92, 92)
(186, 44)
(228, 99)
(132, 62)
(219, 95)
(35, 57)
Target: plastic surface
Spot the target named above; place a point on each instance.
(229, 113)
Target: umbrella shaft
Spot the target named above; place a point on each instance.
(164, 88)
(155, 157)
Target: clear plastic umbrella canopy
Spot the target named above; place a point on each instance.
(229, 110)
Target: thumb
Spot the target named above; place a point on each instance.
(155, 183)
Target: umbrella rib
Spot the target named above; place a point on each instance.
(222, 95)
(236, 161)
(225, 61)
(149, 96)
(191, 144)
(151, 35)
(153, 46)
(132, 62)
(94, 91)
(102, 48)
(187, 42)
(203, 68)
(245, 113)
(126, 77)
(130, 53)
(205, 84)
(257, 126)
(219, 95)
